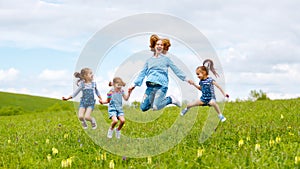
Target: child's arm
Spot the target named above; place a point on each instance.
(74, 94)
(97, 93)
(105, 101)
(195, 85)
(109, 95)
(219, 87)
(66, 98)
(126, 97)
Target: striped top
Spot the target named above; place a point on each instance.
(116, 97)
(156, 71)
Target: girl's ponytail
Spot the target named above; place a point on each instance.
(210, 66)
(78, 75)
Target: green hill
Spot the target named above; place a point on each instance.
(15, 104)
(261, 134)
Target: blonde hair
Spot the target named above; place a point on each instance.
(117, 80)
(81, 74)
(166, 42)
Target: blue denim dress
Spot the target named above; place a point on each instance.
(115, 104)
(88, 90)
(207, 89)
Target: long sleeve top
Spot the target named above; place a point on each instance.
(156, 71)
(83, 86)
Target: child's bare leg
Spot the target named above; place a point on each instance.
(88, 114)
(114, 122)
(216, 106)
(194, 103)
(89, 118)
(81, 117)
(220, 115)
(190, 105)
(81, 113)
(122, 121)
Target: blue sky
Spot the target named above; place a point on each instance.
(257, 42)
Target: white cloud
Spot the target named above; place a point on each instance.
(9, 75)
(53, 75)
(18, 90)
(257, 44)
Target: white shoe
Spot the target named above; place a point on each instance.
(110, 133)
(222, 118)
(118, 134)
(184, 111)
(175, 101)
(94, 123)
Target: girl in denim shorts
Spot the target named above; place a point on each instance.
(115, 110)
(87, 101)
(206, 85)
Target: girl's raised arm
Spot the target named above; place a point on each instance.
(219, 87)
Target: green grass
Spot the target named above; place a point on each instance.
(28, 137)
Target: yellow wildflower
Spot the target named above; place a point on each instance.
(69, 162)
(200, 152)
(66, 135)
(297, 159)
(64, 163)
(54, 151)
(8, 141)
(281, 116)
(47, 141)
(103, 156)
(271, 142)
(49, 157)
(291, 134)
(278, 139)
(149, 160)
(111, 164)
(241, 142)
(257, 147)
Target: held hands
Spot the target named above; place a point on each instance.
(100, 100)
(191, 82)
(65, 99)
(130, 89)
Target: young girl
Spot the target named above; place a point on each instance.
(206, 85)
(156, 71)
(87, 101)
(115, 110)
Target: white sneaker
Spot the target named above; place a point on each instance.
(84, 125)
(175, 101)
(110, 133)
(118, 134)
(94, 123)
(184, 111)
(222, 118)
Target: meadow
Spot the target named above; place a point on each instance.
(39, 132)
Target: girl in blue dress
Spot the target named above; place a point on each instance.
(206, 85)
(87, 101)
(115, 110)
